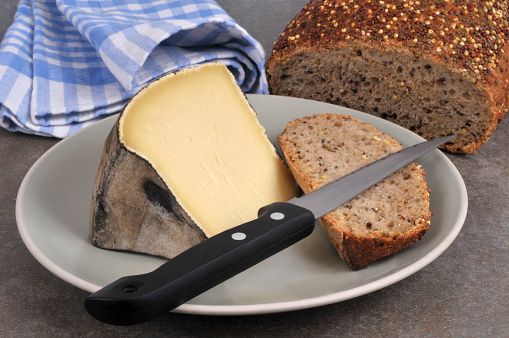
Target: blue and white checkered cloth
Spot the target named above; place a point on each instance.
(67, 63)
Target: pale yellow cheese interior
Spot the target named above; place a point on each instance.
(198, 131)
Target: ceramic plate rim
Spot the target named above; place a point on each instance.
(262, 308)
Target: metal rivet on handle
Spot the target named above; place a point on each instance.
(277, 216)
(239, 236)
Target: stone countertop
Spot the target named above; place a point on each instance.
(464, 292)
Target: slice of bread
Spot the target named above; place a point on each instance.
(382, 220)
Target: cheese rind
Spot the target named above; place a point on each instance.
(198, 134)
(132, 209)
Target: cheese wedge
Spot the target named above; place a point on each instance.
(187, 159)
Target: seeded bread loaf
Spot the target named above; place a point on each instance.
(382, 220)
(434, 67)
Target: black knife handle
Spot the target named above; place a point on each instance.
(136, 299)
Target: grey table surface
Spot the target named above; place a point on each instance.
(465, 292)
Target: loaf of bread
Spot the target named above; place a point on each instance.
(382, 220)
(434, 67)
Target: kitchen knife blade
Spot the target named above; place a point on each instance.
(136, 299)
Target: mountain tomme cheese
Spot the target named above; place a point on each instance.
(186, 160)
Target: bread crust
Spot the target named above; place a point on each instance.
(355, 247)
(358, 252)
(469, 38)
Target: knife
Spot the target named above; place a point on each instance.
(136, 299)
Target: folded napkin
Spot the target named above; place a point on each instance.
(67, 63)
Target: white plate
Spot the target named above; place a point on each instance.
(52, 215)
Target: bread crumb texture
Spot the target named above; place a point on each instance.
(380, 221)
(434, 67)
